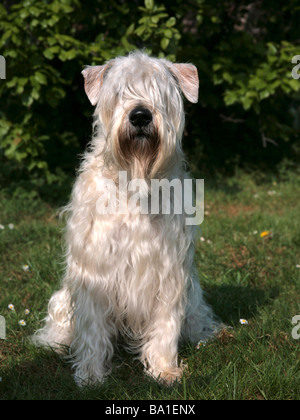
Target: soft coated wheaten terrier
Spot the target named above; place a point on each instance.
(129, 272)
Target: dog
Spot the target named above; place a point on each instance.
(130, 274)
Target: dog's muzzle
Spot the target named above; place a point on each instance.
(140, 117)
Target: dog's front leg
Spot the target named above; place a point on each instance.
(160, 351)
(92, 348)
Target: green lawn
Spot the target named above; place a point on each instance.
(245, 276)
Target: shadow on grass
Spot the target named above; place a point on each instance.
(48, 376)
(232, 302)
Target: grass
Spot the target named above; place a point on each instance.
(244, 276)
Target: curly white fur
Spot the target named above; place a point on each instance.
(129, 274)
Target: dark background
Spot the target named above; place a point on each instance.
(248, 111)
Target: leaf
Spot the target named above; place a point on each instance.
(168, 33)
(35, 11)
(164, 43)
(69, 55)
(272, 49)
(48, 54)
(12, 82)
(11, 53)
(217, 66)
(247, 102)
(140, 30)
(3, 11)
(264, 94)
(55, 6)
(42, 165)
(130, 29)
(294, 84)
(40, 77)
(230, 97)
(155, 19)
(227, 76)
(27, 99)
(149, 4)
(126, 43)
(54, 19)
(171, 22)
(35, 94)
(4, 127)
(23, 13)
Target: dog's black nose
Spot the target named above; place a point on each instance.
(140, 117)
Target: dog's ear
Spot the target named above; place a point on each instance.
(187, 76)
(93, 80)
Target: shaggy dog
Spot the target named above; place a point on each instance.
(130, 273)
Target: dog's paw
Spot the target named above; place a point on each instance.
(167, 376)
(82, 379)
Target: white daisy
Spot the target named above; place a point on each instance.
(201, 343)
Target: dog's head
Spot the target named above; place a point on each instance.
(140, 110)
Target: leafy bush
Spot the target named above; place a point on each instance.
(243, 52)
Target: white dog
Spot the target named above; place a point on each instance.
(129, 273)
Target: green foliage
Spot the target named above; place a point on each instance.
(243, 52)
(157, 24)
(46, 45)
(270, 76)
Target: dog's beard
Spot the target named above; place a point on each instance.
(139, 149)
